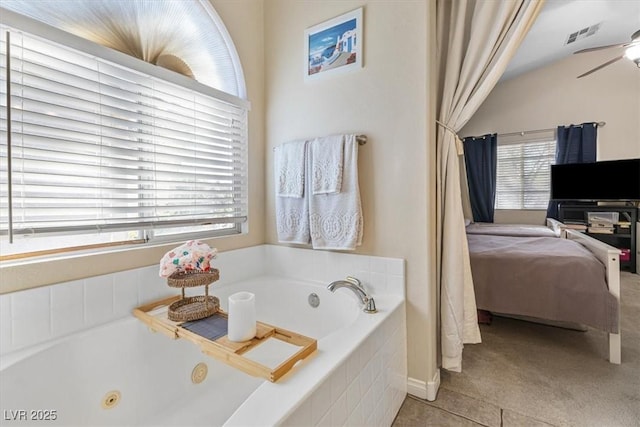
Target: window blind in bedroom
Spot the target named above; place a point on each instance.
(523, 170)
(96, 146)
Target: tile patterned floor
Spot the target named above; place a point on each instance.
(566, 381)
(457, 410)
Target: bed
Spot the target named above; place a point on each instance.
(574, 278)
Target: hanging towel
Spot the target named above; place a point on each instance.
(336, 219)
(289, 166)
(292, 213)
(326, 168)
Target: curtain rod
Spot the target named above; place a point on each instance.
(524, 132)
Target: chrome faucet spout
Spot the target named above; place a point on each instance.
(360, 293)
(354, 285)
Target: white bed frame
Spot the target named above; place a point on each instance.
(610, 257)
(556, 226)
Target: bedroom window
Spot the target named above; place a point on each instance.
(96, 153)
(523, 171)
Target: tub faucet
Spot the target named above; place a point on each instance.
(354, 284)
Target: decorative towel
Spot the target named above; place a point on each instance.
(336, 219)
(326, 167)
(289, 166)
(292, 213)
(192, 255)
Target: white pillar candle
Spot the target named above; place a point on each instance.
(242, 317)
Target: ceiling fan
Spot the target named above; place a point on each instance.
(632, 52)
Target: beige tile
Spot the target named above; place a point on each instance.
(514, 419)
(468, 407)
(415, 413)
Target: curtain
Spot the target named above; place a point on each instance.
(574, 144)
(480, 158)
(475, 41)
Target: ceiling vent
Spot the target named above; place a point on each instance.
(583, 33)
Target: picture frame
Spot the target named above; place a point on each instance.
(334, 46)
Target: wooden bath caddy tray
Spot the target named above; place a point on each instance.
(229, 352)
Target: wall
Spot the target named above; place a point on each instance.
(386, 100)
(551, 96)
(244, 21)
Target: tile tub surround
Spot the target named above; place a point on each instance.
(38, 315)
(367, 388)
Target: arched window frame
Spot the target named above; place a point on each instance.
(39, 29)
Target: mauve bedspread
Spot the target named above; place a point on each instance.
(544, 277)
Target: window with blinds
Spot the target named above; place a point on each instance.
(93, 148)
(523, 173)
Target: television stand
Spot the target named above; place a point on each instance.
(620, 236)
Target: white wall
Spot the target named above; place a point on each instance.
(552, 96)
(388, 101)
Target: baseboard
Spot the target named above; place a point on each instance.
(423, 389)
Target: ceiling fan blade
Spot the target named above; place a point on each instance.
(601, 66)
(592, 49)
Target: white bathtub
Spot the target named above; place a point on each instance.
(357, 375)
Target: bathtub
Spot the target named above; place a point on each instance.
(122, 373)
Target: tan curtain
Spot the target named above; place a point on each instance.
(476, 40)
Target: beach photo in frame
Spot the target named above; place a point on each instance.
(334, 46)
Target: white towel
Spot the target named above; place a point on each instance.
(326, 167)
(292, 213)
(336, 219)
(289, 165)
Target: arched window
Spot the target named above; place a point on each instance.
(186, 36)
(101, 148)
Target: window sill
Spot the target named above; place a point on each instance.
(27, 274)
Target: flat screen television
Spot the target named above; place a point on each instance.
(606, 180)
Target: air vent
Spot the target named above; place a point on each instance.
(583, 33)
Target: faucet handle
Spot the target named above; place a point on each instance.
(353, 280)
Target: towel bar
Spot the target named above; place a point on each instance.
(362, 139)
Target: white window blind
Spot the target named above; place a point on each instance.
(523, 173)
(94, 145)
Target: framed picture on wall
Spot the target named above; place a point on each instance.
(334, 46)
